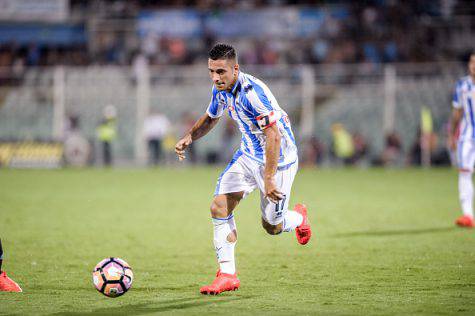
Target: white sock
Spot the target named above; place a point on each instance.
(292, 219)
(224, 249)
(466, 193)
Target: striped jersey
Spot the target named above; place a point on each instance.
(464, 98)
(254, 108)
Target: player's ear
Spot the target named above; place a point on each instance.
(236, 69)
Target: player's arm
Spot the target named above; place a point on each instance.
(273, 140)
(457, 114)
(202, 126)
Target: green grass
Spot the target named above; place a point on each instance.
(384, 243)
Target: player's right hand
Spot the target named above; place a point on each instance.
(272, 193)
(181, 146)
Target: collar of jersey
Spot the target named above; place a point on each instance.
(240, 82)
(237, 85)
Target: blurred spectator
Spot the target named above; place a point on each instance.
(374, 32)
(77, 149)
(150, 45)
(156, 128)
(343, 147)
(320, 50)
(177, 51)
(72, 125)
(140, 66)
(438, 154)
(34, 54)
(415, 153)
(361, 149)
(313, 151)
(107, 132)
(392, 154)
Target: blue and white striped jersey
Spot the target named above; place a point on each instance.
(464, 98)
(254, 108)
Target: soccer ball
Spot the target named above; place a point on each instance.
(112, 277)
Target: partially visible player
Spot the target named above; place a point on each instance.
(267, 160)
(464, 112)
(6, 284)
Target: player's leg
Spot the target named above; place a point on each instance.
(224, 227)
(466, 158)
(273, 215)
(290, 219)
(6, 284)
(276, 217)
(224, 240)
(232, 186)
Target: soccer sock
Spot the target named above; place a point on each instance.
(292, 220)
(466, 193)
(224, 249)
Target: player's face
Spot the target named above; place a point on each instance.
(471, 65)
(223, 73)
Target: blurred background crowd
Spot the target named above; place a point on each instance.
(337, 39)
(103, 32)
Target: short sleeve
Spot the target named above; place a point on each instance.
(261, 107)
(216, 105)
(457, 96)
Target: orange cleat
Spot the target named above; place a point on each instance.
(223, 282)
(7, 284)
(303, 232)
(465, 221)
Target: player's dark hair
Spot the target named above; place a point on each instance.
(222, 51)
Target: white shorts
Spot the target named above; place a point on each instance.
(466, 154)
(244, 174)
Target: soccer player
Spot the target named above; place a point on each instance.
(266, 159)
(464, 111)
(6, 284)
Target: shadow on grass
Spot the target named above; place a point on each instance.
(379, 233)
(159, 306)
(40, 288)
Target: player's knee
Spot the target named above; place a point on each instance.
(272, 229)
(218, 209)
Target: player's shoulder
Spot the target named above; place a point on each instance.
(463, 81)
(250, 83)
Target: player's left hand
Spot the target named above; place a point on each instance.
(272, 193)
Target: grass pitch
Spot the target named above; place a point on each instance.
(384, 243)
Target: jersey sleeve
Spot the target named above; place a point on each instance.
(216, 105)
(261, 107)
(457, 96)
